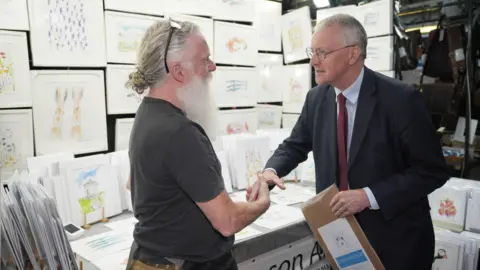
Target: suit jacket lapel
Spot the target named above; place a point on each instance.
(366, 105)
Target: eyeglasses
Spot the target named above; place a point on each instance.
(173, 25)
(321, 55)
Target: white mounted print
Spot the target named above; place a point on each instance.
(67, 33)
(296, 34)
(295, 82)
(289, 120)
(124, 33)
(205, 25)
(14, 15)
(123, 128)
(376, 17)
(234, 10)
(327, 12)
(187, 7)
(235, 44)
(269, 116)
(380, 53)
(150, 7)
(268, 22)
(69, 111)
(236, 87)
(268, 91)
(15, 90)
(16, 139)
(120, 99)
(237, 121)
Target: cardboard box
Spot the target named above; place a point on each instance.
(342, 239)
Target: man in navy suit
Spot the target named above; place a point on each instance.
(373, 137)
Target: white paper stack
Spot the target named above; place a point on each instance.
(454, 251)
(472, 220)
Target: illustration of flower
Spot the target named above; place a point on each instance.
(447, 208)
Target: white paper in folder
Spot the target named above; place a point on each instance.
(344, 245)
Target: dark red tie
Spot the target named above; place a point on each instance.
(342, 131)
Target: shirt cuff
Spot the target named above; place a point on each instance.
(271, 169)
(373, 202)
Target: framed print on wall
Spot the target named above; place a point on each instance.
(15, 90)
(236, 86)
(296, 34)
(187, 7)
(296, 81)
(289, 120)
(327, 12)
(69, 111)
(14, 15)
(269, 116)
(380, 53)
(268, 22)
(237, 121)
(235, 44)
(16, 137)
(268, 91)
(124, 33)
(234, 10)
(150, 7)
(205, 24)
(376, 17)
(121, 100)
(123, 127)
(67, 33)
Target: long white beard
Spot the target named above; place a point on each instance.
(199, 105)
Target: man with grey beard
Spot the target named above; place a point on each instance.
(186, 220)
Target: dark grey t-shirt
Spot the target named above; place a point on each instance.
(173, 165)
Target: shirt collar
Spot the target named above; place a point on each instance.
(352, 92)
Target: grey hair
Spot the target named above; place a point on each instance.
(151, 53)
(353, 32)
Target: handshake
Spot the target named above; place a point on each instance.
(260, 190)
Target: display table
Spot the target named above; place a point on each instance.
(288, 247)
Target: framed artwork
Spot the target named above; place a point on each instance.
(268, 91)
(237, 121)
(448, 207)
(14, 15)
(327, 12)
(187, 7)
(205, 24)
(15, 90)
(150, 7)
(389, 73)
(69, 111)
(269, 116)
(123, 127)
(67, 33)
(235, 44)
(296, 81)
(236, 86)
(380, 53)
(124, 33)
(92, 187)
(16, 139)
(234, 10)
(296, 34)
(121, 100)
(268, 22)
(289, 120)
(376, 17)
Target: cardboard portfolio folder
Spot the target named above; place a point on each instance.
(342, 239)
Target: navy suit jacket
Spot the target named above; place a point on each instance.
(394, 151)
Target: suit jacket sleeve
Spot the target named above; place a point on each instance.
(295, 148)
(425, 169)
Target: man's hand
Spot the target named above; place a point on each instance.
(270, 178)
(349, 202)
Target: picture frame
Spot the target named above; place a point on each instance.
(16, 136)
(237, 121)
(234, 10)
(295, 81)
(69, 111)
(150, 7)
(236, 86)
(327, 12)
(14, 15)
(15, 90)
(269, 116)
(268, 23)
(120, 99)
(203, 8)
(123, 128)
(235, 44)
(124, 33)
(268, 90)
(376, 17)
(289, 120)
(380, 53)
(296, 34)
(67, 33)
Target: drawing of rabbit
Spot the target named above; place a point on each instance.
(77, 95)
(60, 97)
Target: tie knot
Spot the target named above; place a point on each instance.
(341, 99)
